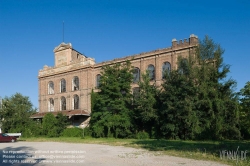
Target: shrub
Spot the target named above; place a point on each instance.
(142, 135)
(53, 132)
(72, 132)
(87, 131)
(27, 133)
(49, 123)
(98, 130)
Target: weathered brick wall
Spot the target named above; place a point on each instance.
(87, 73)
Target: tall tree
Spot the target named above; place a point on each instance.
(111, 114)
(15, 113)
(145, 105)
(217, 105)
(198, 101)
(245, 111)
(178, 118)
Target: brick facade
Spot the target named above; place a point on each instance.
(70, 63)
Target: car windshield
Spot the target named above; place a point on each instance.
(5, 135)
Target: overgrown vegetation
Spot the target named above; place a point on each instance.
(245, 111)
(145, 108)
(15, 112)
(194, 102)
(15, 118)
(54, 126)
(111, 114)
(73, 132)
(197, 100)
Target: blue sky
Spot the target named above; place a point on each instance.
(104, 30)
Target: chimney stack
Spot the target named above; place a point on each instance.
(174, 42)
(193, 39)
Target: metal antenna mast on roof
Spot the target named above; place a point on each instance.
(63, 31)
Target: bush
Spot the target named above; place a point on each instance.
(87, 131)
(72, 132)
(98, 130)
(49, 123)
(27, 133)
(53, 132)
(142, 135)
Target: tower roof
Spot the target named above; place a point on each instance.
(63, 46)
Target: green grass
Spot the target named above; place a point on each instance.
(199, 150)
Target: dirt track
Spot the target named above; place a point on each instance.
(54, 153)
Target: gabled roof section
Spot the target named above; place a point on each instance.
(62, 46)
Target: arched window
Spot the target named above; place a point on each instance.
(63, 85)
(76, 102)
(50, 88)
(166, 67)
(151, 72)
(98, 78)
(51, 105)
(136, 75)
(63, 103)
(75, 83)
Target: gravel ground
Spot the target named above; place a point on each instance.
(67, 154)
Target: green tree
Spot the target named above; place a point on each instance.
(198, 101)
(111, 114)
(245, 111)
(217, 102)
(62, 123)
(15, 113)
(53, 126)
(33, 129)
(178, 117)
(145, 105)
(49, 125)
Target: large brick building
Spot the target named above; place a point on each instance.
(67, 86)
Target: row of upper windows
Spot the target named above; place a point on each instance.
(166, 67)
(75, 85)
(63, 103)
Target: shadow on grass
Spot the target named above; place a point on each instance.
(209, 147)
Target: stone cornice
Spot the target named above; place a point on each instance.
(49, 71)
